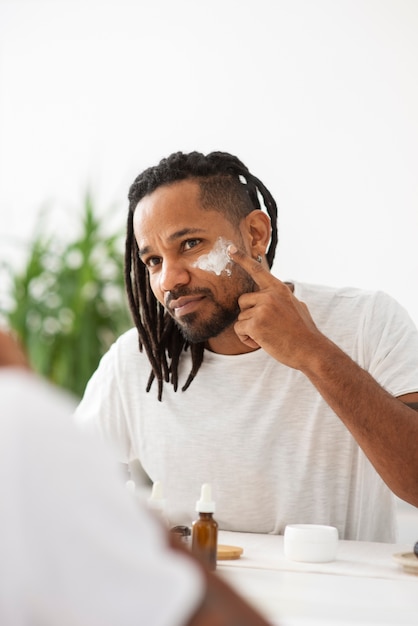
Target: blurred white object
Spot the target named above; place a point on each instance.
(74, 545)
(407, 522)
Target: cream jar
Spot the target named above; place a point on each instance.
(311, 543)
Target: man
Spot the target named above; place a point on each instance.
(75, 548)
(294, 400)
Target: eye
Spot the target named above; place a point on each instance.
(152, 261)
(191, 243)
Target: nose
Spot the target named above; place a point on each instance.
(173, 274)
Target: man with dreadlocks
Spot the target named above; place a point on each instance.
(291, 399)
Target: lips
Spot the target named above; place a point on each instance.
(185, 304)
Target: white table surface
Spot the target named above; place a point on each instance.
(364, 586)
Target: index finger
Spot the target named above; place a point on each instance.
(258, 273)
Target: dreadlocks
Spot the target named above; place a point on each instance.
(227, 186)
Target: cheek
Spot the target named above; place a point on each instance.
(154, 282)
(224, 288)
(239, 283)
(216, 261)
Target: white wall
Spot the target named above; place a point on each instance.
(318, 97)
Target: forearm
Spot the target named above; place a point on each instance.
(384, 427)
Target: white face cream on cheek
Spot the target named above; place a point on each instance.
(217, 260)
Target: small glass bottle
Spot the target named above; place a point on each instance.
(205, 529)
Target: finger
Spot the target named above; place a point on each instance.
(248, 341)
(258, 273)
(241, 331)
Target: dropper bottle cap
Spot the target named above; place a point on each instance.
(205, 504)
(156, 500)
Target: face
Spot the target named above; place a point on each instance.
(183, 247)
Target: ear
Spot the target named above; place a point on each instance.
(256, 231)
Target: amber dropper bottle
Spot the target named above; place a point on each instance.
(205, 529)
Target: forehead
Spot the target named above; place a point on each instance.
(173, 197)
(173, 207)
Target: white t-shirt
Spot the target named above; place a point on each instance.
(75, 548)
(258, 431)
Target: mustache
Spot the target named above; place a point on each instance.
(183, 291)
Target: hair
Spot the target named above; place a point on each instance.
(226, 185)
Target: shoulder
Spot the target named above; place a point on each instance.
(319, 293)
(327, 302)
(353, 308)
(128, 340)
(125, 348)
(122, 362)
(345, 297)
(30, 403)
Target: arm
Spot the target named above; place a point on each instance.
(384, 427)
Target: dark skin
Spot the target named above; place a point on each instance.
(220, 605)
(11, 353)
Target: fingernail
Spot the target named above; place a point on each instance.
(232, 248)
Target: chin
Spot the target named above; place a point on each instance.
(205, 332)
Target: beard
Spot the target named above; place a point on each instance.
(197, 330)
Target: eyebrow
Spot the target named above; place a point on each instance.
(178, 234)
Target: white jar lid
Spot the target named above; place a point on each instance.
(312, 543)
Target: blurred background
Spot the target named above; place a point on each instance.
(318, 97)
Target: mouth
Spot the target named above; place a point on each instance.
(184, 305)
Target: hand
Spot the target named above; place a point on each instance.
(272, 317)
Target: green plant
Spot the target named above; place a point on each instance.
(68, 303)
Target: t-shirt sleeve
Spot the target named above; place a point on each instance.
(390, 340)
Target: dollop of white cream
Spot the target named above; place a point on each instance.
(217, 260)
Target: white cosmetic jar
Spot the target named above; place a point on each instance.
(311, 543)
